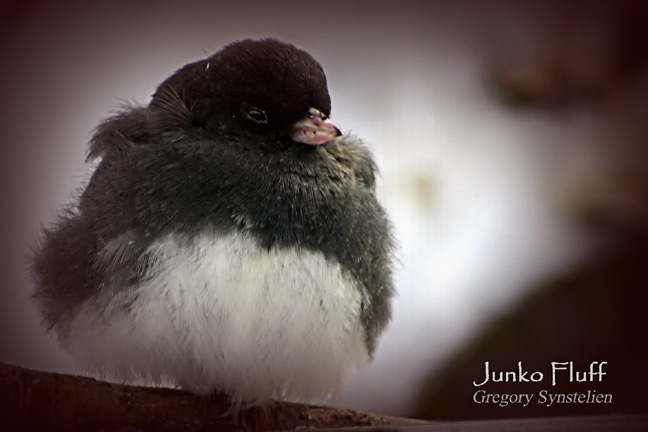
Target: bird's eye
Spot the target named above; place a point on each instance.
(257, 115)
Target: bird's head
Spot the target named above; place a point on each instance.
(264, 90)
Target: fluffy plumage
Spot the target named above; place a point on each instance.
(211, 250)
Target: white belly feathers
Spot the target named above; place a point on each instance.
(220, 313)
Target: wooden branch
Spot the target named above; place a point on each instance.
(34, 400)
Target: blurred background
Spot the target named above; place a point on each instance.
(512, 139)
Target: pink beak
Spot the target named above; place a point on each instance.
(314, 129)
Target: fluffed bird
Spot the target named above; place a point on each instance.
(229, 240)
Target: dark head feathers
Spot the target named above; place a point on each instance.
(220, 96)
(133, 125)
(277, 78)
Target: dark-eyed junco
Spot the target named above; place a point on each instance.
(229, 240)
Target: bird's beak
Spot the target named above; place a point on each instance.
(314, 129)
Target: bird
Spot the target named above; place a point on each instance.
(229, 239)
